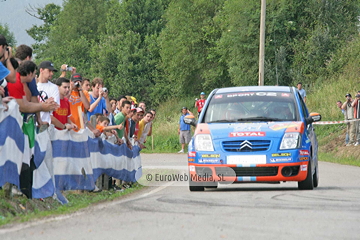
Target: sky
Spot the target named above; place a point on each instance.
(13, 14)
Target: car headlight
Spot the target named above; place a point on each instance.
(290, 141)
(203, 142)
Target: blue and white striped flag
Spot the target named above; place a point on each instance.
(43, 181)
(12, 144)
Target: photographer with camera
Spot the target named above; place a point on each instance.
(355, 104)
(79, 100)
(99, 99)
(7, 70)
(349, 115)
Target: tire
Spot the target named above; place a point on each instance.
(316, 177)
(196, 188)
(308, 183)
(212, 185)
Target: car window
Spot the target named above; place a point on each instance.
(251, 106)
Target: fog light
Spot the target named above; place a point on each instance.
(286, 171)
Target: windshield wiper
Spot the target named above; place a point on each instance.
(222, 121)
(260, 119)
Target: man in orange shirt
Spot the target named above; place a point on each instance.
(79, 101)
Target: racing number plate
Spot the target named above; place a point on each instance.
(246, 159)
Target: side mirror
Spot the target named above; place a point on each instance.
(190, 119)
(314, 117)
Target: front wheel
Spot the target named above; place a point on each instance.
(195, 187)
(308, 183)
(316, 177)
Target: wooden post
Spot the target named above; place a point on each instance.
(262, 43)
(152, 141)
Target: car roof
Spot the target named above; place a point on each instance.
(254, 89)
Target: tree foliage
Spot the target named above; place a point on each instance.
(153, 49)
(10, 38)
(48, 15)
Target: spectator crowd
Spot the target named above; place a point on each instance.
(70, 102)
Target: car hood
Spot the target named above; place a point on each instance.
(246, 130)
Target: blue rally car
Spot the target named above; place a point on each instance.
(253, 134)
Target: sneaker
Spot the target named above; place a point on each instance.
(96, 189)
(181, 151)
(16, 192)
(118, 189)
(349, 144)
(357, 143)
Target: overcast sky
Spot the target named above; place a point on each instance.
(13, 14)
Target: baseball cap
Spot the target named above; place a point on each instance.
(76, 77)
(3, 40)
(47, 64)
(348, 95)
(139, 109)
(202, 93)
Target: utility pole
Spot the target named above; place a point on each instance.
(262, 43)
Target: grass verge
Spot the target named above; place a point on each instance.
(329, 157)
(20, 209)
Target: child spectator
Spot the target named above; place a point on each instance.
(103, 124)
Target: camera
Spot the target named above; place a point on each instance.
(105, 89)
(77, 84)
(7, 49)
(67, 69)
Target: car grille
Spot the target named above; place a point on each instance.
(246, 146)
(246, 171)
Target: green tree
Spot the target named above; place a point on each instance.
(79, 26)
(239, 43)
(128, 55)
(39, 33)
(187, 48)
(10, 38)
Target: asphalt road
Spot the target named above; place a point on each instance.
(241, 211)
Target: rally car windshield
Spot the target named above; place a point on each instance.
(251, 107)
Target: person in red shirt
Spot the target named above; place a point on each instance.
(25, 73)
(199, 103)
(61, 117)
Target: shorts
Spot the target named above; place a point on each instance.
(185, 137)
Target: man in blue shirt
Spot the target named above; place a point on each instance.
(184, 129)
(301, 91)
